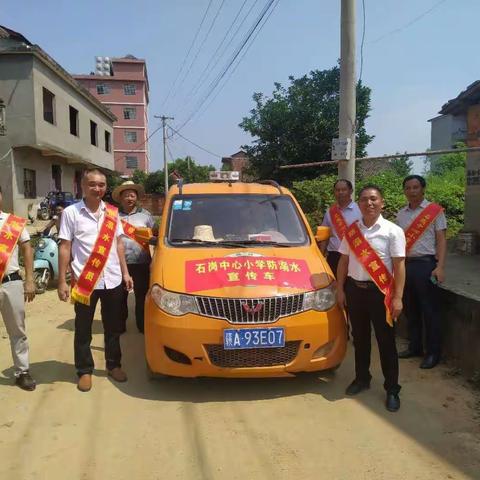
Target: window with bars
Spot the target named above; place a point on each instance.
(131, 161)
(130, 137)
(129, 113)
(103, 89)
(29, 183)
(129, 89)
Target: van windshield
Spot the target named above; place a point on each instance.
(235, 220)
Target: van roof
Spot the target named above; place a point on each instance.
(225, 187)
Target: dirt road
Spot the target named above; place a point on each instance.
(301, 428)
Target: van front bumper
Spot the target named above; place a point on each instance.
(192, 345)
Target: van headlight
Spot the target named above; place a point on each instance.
(321, 300)
(173, 303)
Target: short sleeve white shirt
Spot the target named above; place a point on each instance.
(351, 213)
(427, 243)
(13, 265)
(80, 226)
(386, 238)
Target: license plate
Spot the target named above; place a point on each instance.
(253, 338)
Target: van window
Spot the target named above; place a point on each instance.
(240, 218)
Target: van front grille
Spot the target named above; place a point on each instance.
(253, 357)
(250, 310)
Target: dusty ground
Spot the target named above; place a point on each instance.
(211, 429)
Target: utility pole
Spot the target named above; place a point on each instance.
(164, 119)
(348, 107)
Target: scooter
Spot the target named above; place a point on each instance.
(45, 263)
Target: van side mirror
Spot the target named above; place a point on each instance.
(323, 233)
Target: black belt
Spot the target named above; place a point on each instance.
(362, 283)
(421, 258)
(11, 277)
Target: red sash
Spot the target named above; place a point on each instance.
(372, 263)
(141, 235)
(85, 284)
(9, 235)
(338, 221)
(421, 222)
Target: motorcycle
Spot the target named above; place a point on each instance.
(45, 263)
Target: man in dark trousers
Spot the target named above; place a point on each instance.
(135, 221)
(425, 227)
(370, 280)
(338, 217)
(91, 237)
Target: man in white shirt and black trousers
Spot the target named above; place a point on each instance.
(91, 236)
(370, 281)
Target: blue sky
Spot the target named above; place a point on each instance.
(412, 68)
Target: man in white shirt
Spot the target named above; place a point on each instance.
(79, 230)
(342, 189)
(425, 264)
(364, 299)
(13, 295)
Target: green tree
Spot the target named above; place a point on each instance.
(401, 165)
(296, 125)
(446, 163)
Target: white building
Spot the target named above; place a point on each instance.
(54, 128)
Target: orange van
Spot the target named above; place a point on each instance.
(239, 287)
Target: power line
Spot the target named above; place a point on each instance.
(363, 42)
(237, 52)
(409, 24)
(202, 44)
(201, 81)
(188, 53)
(230, 75)
(143, 143)
(192, 142)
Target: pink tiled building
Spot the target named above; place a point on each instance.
(122, 85)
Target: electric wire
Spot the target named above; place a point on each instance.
(232, 72)
(235, 55)
(203, 78)
(362, 43)
(202, 44)
(142, 144)
(187, 55)
(409, 24)
(176, 132)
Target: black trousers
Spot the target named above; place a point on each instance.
(422, 306)
(365, 307)
(332, 260)
(111, 302)
(140, 273)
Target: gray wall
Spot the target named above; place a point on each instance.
(447, 130)
(58, 136)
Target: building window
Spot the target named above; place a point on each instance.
(93, 133)
(132, 162)
(29, 183)
(48, 106)
(73, 121)
(108, 145)
(130, 137)
(129, 113)
(103, 89)
(129, 89)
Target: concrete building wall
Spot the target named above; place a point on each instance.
(32, 159)
(58, 136)
(447, 130)
(16, 90)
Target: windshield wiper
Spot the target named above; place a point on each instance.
(210, 243)
(259, 242)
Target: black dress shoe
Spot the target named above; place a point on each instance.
(393, 402)
(356, 387)
(430, 361)
(25, 382)
(409, 354)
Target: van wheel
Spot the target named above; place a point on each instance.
(152, 376)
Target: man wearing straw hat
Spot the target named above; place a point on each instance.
(137, 224)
